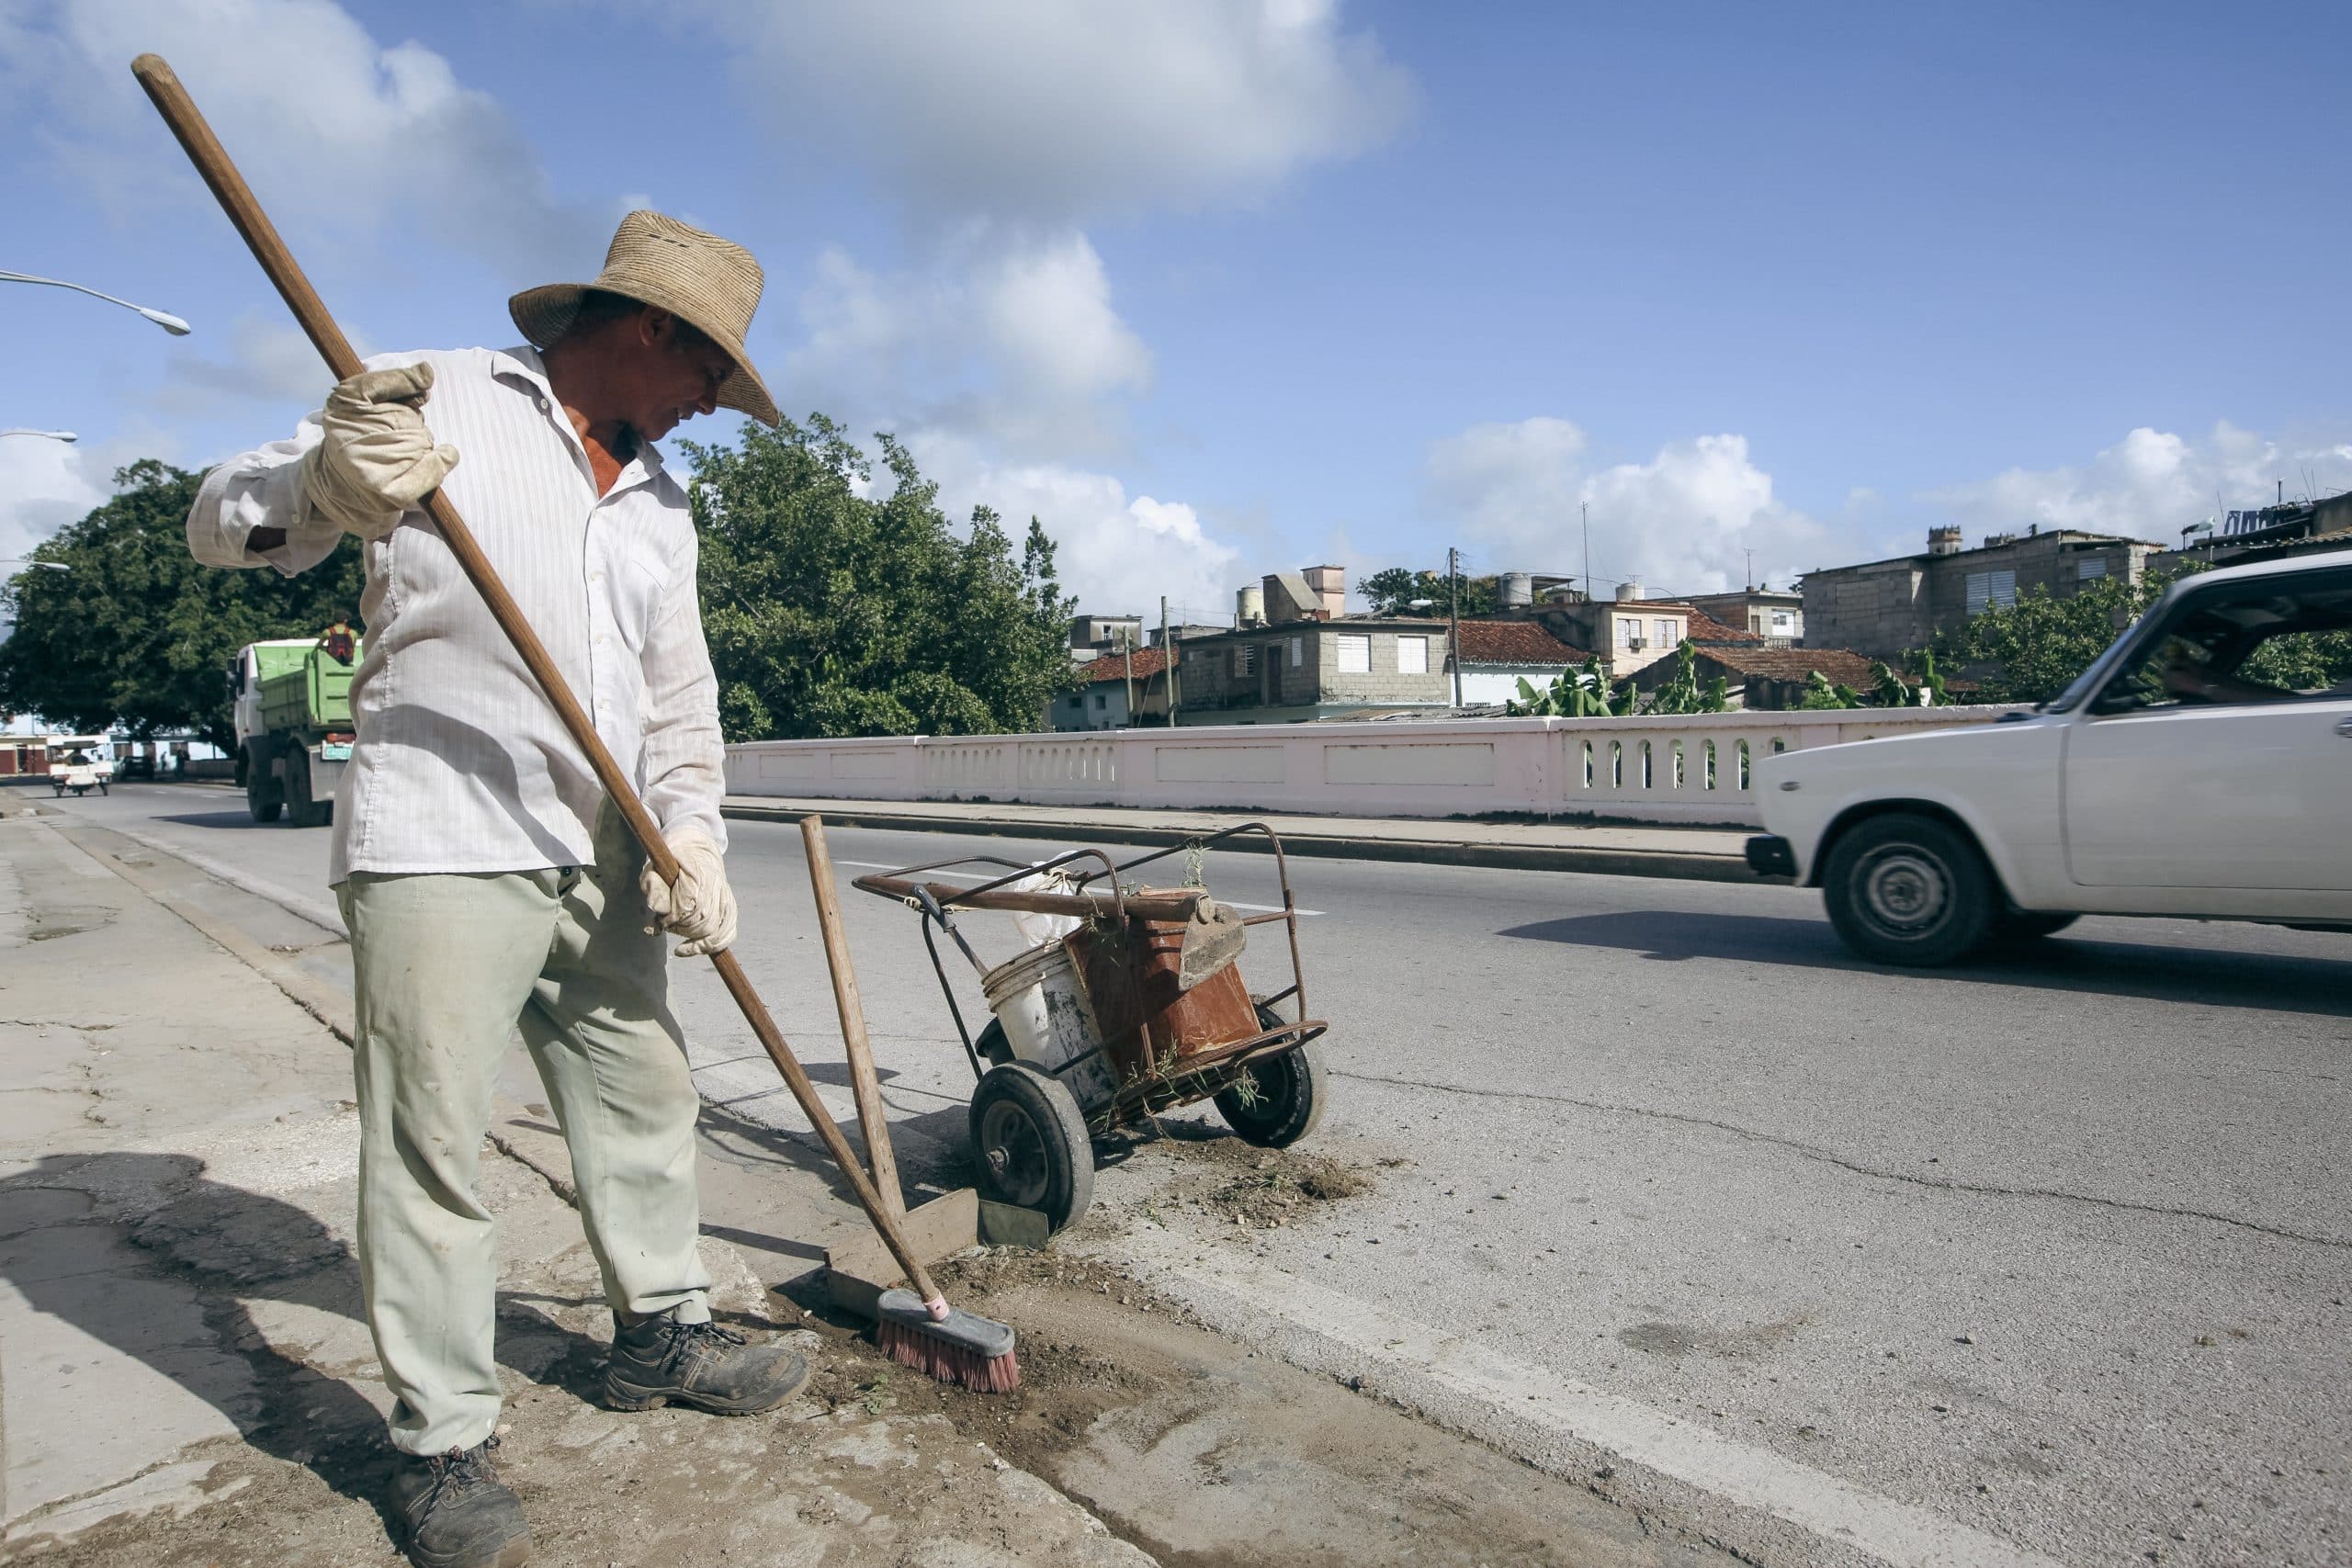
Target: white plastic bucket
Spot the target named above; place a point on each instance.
(1046, 1022)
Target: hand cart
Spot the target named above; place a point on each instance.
(1139, 1009)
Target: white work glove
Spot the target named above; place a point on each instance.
(701, 906)
(378, 459)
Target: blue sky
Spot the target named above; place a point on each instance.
(1216, 289)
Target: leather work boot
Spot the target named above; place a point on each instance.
(458, 1514)
(661, 1360)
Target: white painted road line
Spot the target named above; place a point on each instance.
(969, 877)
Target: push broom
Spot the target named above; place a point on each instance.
(916, 1328)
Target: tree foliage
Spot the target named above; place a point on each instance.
(135, 634)
(834, 608)
(1585, 692)
(2033, 650)
(1393, 592)
(1821, 692)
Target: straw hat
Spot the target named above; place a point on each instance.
(700, 278)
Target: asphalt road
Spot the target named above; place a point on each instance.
(2056, 1249)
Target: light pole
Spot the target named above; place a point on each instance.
(65, 436)
(163, 319)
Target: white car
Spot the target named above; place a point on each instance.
(2201, 767)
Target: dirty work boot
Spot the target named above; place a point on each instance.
(458, 1514)
(701, 1364)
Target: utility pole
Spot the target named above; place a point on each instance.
(1584, 511)
(1454, 615)
(1167, 656)
(1127, 658)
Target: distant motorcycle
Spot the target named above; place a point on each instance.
(81, 769)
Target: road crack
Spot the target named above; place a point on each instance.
(1828, 1157)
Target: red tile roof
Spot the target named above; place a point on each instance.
(1515, 642)
(1838, 664)
(1114, 666)
(1705, 628)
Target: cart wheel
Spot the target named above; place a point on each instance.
(1284, 1097)
(1030, 1144)
(993, 1045)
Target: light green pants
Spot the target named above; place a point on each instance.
(444, 968)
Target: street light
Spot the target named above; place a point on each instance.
(163, 319)
(65, 436)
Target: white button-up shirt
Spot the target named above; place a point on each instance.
(461, 764)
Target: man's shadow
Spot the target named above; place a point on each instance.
(157, 1215)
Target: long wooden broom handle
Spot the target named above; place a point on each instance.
(236, 198)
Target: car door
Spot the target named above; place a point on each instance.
(2190, 773)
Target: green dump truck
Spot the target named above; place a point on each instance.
(293, 718)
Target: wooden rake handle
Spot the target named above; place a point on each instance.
(236, 198)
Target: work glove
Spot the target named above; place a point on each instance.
(700, 906)
(378, 459)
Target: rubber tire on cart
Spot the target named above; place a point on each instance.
(1289, 1093)
(1907, 889)
(301, 809)
(1030, 1146)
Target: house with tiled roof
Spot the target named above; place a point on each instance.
(1497, 654)
(1759, 676)
(1118, 691)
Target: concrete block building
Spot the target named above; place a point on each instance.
(1885, 608)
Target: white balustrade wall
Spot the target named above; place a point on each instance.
(1698, 768)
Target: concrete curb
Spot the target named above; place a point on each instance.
(1591, 861)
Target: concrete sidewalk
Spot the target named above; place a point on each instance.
(1706, 854)
(184, 1375)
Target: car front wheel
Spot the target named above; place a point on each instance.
(1908, 889)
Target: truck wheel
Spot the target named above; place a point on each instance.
(261, 790)
(1030, 1144)
(301, 811)
(1907, 889)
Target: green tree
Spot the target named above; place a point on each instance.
(1393, 592)
(1572, 694)
(1680, 693)
(135, 634)
(1822, 693)
(835, 608)
(2033, 650)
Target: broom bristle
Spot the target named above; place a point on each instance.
(911, 1347)
(976, 1352)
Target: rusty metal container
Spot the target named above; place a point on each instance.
(1149, 1022)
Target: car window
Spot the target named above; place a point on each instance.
(2265, 640)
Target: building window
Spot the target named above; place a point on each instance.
(1298, 652)
(1629, 631)
(1102, 700)
(1991, 591)
(1668, 633)
(1780, 620)
(2090, 569)
(1412, 656)
(1355, 654)
(1245, 659)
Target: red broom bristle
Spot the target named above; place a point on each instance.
(911, 1347)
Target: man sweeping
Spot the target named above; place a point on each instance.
(485, 879)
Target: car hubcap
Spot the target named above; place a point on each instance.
(1014, 1152)
(1905, 891)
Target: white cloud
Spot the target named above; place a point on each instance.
(1057, 109)
(1117, 553)
(2151, 484)
(44, 485)
(1683, 521)
(1000, 334)
(268, 360)
(349, 142)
